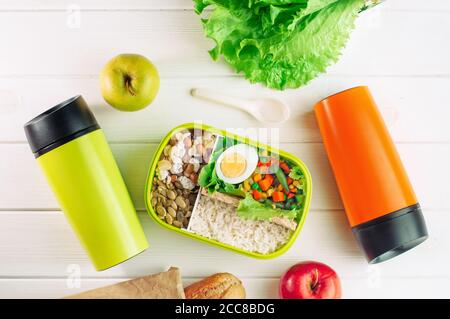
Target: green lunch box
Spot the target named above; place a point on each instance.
(151, 187)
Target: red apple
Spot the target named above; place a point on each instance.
(310, 280)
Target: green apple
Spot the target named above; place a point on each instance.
(129, 82)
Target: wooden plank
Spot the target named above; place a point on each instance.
(96, 5)
(257, 288)
(384, 43)
(41, 244)
(418, 5)
(25, 188)
(412, 107)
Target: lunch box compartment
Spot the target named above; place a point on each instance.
(205, 146)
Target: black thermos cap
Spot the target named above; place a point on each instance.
(59, 125)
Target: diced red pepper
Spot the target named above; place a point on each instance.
(285, 168)
(264, 161)
(289, 180)
(290, 195)
(256, 194)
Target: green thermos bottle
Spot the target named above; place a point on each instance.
(74, 155)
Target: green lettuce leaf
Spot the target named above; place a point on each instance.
(296, 173)
(280, 43)
(251, 209)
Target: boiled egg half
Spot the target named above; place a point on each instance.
(237, 163)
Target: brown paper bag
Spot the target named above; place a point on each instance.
(165, 285)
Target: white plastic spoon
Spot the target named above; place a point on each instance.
(266, 110)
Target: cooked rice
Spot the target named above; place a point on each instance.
(219, 221)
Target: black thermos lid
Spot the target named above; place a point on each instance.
(59, 125)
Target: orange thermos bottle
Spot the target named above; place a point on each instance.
(379, 201)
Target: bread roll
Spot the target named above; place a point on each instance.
(218, 286)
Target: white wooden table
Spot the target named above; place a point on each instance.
(50, 52)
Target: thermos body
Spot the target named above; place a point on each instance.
(371, 177)
(81, 170)
(378, 198)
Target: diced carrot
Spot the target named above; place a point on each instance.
(278, 196)
(256, 194)
(257, 177)
(294, 190)
(280, 187)
(265, 183)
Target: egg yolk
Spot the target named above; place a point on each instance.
(233, 165)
